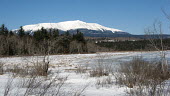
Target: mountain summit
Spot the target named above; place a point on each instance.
(69, 25)
(88, 29)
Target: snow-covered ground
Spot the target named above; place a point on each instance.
(67, 65)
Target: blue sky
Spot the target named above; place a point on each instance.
(132, 16)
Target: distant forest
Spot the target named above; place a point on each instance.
(43, 42)
(140, 45)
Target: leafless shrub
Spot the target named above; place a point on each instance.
(81, 69)
(150, 90)
(81, 90)
(98, 73)
(35, 85)
(104, 82)
(137, 92)
(1, 68)
(35, 67)
(101, 68)
(31, 84)
(8, 87)
(158, 44)
(18, 70)
(41, 67)
(142, 75)
(41, 87)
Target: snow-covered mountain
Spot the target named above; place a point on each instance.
(69, 25)
(89, 29)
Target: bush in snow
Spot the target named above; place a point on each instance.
(144, 75)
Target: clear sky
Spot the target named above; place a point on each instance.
(132, 16)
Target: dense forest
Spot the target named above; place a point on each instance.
(41, 42)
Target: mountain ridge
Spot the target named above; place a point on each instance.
(69, 25)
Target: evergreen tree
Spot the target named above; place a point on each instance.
(44, 33)
(55, 33)
(21, 32)
(50, 33)
(6, 32)
(3, 30)
(38, 35)
(67, 33)
(64, 43)
(11, 33)
(79, 37)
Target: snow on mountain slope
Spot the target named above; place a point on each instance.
(69, 25)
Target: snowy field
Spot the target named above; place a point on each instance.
(66, 65)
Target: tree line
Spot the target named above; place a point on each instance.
(43, 41)
(140, 45)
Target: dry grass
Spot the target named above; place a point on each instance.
(38, 69)
(98, 72)
(81, 69)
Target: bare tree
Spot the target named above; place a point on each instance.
(155, 37)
